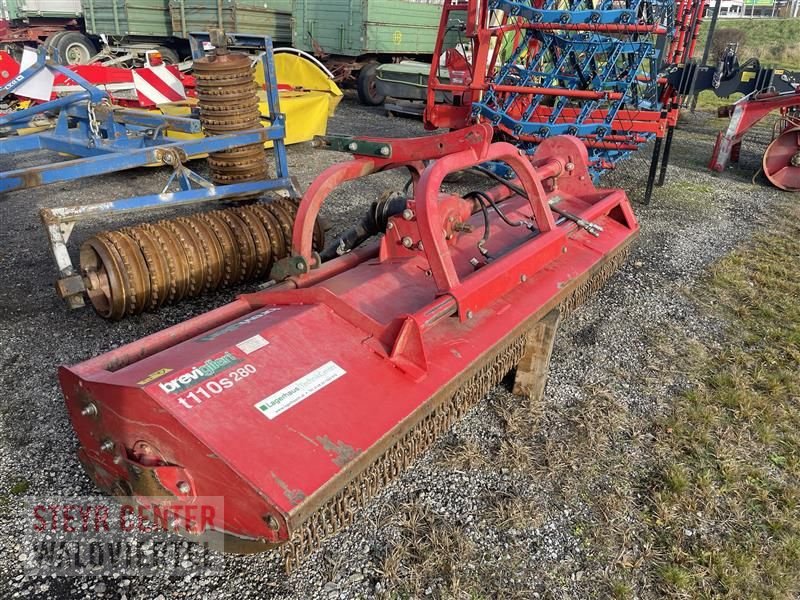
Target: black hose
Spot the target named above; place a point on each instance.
(373, 223)
(486, 225)
(514, 188)
(500, 213)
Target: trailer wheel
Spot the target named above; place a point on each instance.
(74, 48)
(367, 85)
(52, 39)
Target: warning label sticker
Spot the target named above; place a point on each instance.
(285, 398)
(252, 344)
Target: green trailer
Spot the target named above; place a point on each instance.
(134, 27)
(359, 35)
(349, 36)
(123, 19)
(262, 17)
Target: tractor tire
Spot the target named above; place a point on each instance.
(73, 47)
(367, 85)
(168, 55)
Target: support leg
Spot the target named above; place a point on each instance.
(533, 367)
(665, 159)
(651, 176)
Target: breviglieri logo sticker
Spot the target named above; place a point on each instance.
(199, 373)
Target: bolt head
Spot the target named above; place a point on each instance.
(385, 151)
(107, 446)
(352, 147)
(570, 166)
(469, 314)
(407, 242)
(90, 410)
(523, 278)
(389, 225)
(184, 487)
(408, 214)
(272, 522)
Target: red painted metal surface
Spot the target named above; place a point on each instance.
(277, 399)
(11, 33)
(782, 161)
(117, 81)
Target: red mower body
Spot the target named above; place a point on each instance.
(285, 397)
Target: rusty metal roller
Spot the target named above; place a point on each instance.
(227, 94)
(145, 267)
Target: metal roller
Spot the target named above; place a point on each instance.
(228, 99)
(142, 268)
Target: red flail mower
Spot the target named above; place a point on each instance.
(298, 402)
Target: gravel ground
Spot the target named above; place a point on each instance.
(692, 221)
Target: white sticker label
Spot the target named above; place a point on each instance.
(301, 389)
(252, 344)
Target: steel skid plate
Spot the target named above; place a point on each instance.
(297, 403)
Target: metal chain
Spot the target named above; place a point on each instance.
(94, 124)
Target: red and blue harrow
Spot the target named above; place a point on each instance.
(543, 68)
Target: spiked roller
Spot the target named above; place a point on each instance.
(299, 402)
(141, 268)
(226, 90)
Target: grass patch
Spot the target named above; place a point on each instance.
(18, 488)
(708, 100)
(689, 193)
(725, 508)
(431, 556)
(775, 42)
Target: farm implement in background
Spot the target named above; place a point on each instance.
(592, 70)
(615, 76)
(764, 90)
(141, 268)
(307, 92)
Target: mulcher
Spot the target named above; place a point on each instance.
(298, 402)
